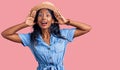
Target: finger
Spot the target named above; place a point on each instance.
(28, 15)
(29, 18)
(63, 18)
(59, 16)
(33, 14)
(58, 12)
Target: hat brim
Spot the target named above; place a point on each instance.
(47, 5)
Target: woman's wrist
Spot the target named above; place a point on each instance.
(68, 22)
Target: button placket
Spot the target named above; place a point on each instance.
(51, 60)
(48, 48)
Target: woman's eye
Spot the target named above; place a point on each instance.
(41, 15)
(47, 15)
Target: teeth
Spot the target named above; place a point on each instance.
(43, 22)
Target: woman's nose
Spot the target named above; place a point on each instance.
(44, 17)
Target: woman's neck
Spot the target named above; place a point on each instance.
(46, 36)
(45, 33)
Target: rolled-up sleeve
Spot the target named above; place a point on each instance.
(68, 33)
(25, 38)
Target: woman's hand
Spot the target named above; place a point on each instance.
(60, 18)
(30, 19)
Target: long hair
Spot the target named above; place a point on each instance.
(54, 28)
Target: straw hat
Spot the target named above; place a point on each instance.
(46, 4)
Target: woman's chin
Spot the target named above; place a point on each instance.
(44, 27)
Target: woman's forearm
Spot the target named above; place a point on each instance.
(79, 25)
(14, 29)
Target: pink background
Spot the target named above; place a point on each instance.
(97, 50)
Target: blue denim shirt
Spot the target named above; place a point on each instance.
(49, 57)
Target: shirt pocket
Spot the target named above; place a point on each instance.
(59, 47)
(41, 49)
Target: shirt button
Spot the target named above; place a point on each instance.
(51, 63)
(50, 57)
(49, 48)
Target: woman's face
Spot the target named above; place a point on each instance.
(44, 19)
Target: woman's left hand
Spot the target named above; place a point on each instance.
(60, 18)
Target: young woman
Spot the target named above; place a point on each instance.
(47, 41)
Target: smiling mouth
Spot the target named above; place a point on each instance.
(44, 23)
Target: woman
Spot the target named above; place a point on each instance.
(47, 42)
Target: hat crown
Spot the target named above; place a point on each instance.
(42, 5)
(48, 3)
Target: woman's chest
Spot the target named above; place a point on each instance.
(56, 46)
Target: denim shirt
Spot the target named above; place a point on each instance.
(49, 57)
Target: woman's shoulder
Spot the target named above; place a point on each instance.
(66, 29)
(68, 33)
(24, 35)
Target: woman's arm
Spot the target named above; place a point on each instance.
(81, 28)
(11, 34)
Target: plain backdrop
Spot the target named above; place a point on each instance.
(97, 50)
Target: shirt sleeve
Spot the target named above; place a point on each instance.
(68, 33)
(25, 38)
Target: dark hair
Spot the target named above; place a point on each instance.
(54, 28)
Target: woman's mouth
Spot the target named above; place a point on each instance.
(44, 23)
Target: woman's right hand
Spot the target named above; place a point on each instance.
(30, 19)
